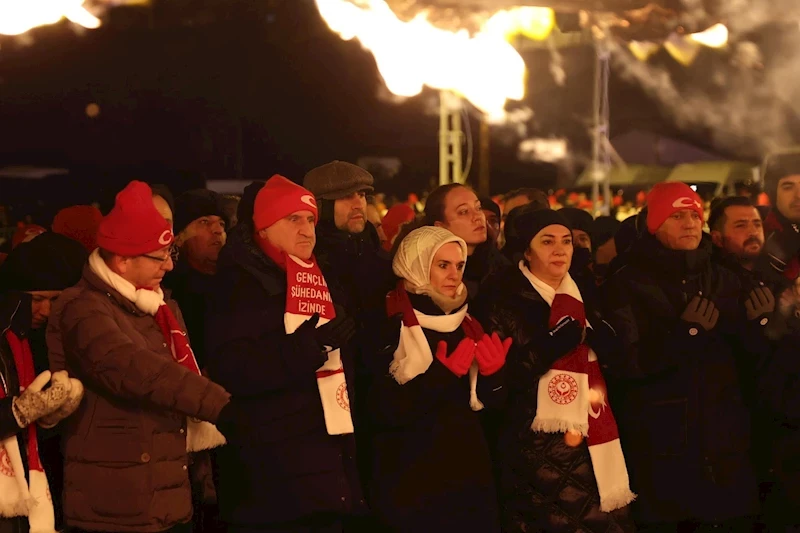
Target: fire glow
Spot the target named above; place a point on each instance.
(484, 68)
(20, 16)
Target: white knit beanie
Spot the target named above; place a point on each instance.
(415, 256)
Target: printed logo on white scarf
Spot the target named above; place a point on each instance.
(563, 389)
(342, 397)
(5, 464)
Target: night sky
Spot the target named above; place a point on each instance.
(244, 89)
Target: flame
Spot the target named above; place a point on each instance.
(19, 16)
(483, 68)
(714, 37)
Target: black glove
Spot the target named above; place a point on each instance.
(337, 332)
(760, 305)
(700, 313)
(561, 340)
(602, 338)
(781, 247)
(388, 334)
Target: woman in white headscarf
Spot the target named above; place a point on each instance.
(432, 470)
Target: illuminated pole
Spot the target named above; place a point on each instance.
(450, 169)
(601, 158)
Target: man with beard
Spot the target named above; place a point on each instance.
(346, 242)
(351, 250)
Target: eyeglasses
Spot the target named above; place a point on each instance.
(174, 253)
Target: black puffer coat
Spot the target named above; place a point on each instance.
(679, 397)
(432, 469)
(280, 463)
(547, 486)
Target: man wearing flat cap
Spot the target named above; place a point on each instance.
(349, 245)
(346, 241)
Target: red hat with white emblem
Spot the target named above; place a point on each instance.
(670, 197)
(279, 198)
(134, 226)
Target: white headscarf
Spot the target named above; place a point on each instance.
(415, 256)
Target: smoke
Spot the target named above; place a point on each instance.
(746, 104)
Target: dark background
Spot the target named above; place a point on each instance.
(224, 89)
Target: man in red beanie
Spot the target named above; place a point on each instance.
(685, 339)
(80, 223)
(275, 336)
(126, 462)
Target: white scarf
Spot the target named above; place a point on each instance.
(573, 390)
(200, 435)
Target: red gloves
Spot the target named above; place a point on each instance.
(460, 360)
(491, 353)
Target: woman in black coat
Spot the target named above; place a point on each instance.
(562, 467)
(432, 470)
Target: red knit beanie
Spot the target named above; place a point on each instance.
(279, 198)
(667, 198)
(134, 226)
(79, 223)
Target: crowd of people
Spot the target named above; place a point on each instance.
(309, 364)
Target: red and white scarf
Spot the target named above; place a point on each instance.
(307, 294)
(572, 397)
(200, 435)
(413, 355)
(19, 497)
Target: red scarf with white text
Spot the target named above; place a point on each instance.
(307, 294)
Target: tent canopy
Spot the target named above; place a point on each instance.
(719, 172)
(643, 176)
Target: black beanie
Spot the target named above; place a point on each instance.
(580, 219)
(49, 262)
(489, 205)
(603, 230)
(195, 204)
(514, 246)
(528, 224)
(777, 166)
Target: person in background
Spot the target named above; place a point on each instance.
(230, 207)
(581, 268)
(31, 281)
(524, 196)
(80, 223)
(680, 379)
(396, 217)
(562, 470)
(277, 340)
(374, 218)
(458, 209)
(603, 244)
(492, 213)
(432, 468)
(200, 228)
(350, 249)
